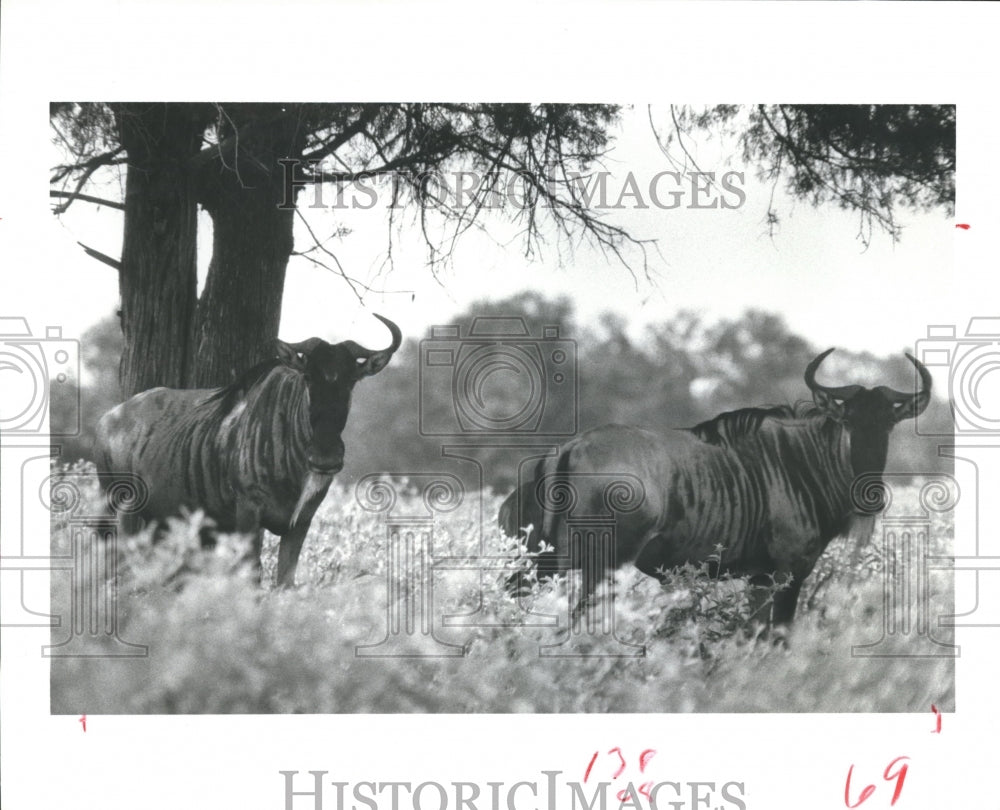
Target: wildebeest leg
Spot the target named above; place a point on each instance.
(248, 523)
(785, 602)
(288, 553)
(313, 492)
(772, 617)
(760, 601)
(129, 524)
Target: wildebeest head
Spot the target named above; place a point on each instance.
(868, 414)
(330, 371)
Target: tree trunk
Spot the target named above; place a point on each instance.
(158, 276)
(240, 309)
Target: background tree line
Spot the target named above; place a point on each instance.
(678, 373)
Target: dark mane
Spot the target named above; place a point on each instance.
(731, 426)
(229, 396)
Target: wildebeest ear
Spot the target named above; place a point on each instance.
(830, 405)
(374, 364)
(288, 355)
(911, 408)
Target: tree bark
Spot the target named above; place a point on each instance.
(158, 275)
(240, 308)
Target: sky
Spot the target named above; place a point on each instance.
(813, 271)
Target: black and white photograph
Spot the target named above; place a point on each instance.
(634, 422)
(600, 483)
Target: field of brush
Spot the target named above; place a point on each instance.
(357, 635)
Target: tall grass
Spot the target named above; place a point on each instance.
(218, 643)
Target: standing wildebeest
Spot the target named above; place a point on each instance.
(259, 453)
(772, 486)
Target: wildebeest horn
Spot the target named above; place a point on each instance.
(375, 361)
(842, 392)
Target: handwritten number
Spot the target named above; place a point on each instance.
(868, 791)
(899, 776)
(621, 767)
(644, 758)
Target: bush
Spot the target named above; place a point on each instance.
(218, 643)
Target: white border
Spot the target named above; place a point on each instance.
(719, 51)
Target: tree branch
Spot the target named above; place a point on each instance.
(101, 257)
(88, 167)
(87, 198)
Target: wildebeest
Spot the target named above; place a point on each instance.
(772, 486)
(259, 453)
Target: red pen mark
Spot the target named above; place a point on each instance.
(83, 722)
(644, 790)
(899, 776)
(644, 758)
(621, 768)
(868, 791)
(889, 775)
(963, 226)
(938, 716)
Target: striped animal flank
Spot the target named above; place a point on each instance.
(257, 454)
(771, 485)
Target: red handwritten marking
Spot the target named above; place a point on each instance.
(83, 722)
(963, 226)
(621, 768)
(644, 790)
(899, 776)
(868, 791)
(644, 758)
(889, 775)
(938, 715)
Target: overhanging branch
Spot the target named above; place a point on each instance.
(73, 195)
(104, 258)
